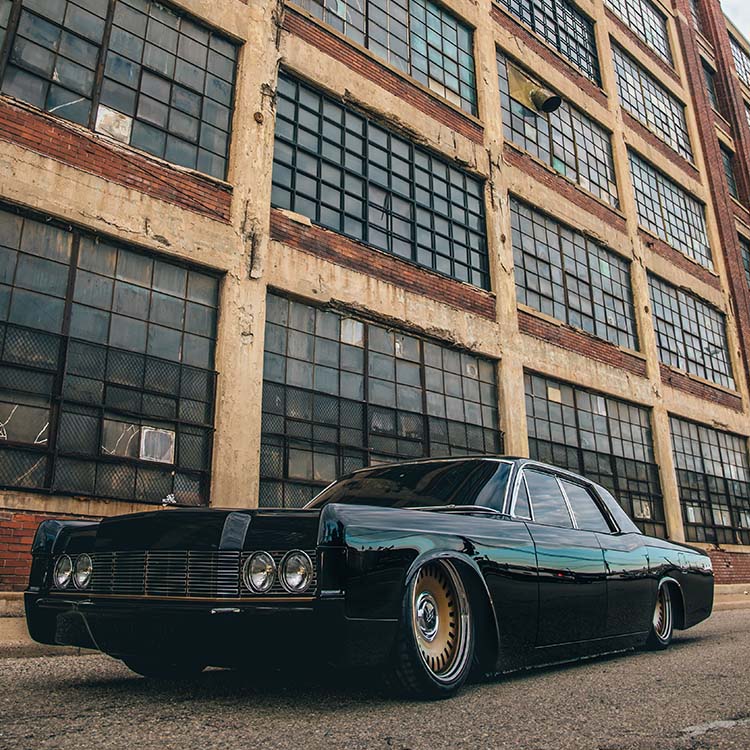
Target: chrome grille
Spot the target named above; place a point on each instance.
(197, 574)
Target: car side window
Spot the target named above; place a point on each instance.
(522, 508)
(547, 499)
(587, 513)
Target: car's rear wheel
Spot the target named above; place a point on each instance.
(662, 624)
(160, 668)
(435, 645)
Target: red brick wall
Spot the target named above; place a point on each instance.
(345, 252)
(315, 34)
(730, 567)
(84, 150)
(564, 187)
(682, 382)
(17, 531)
(571, 339)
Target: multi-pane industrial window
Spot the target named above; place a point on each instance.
(340, 392)
(713, 478)
(695, 12)
(562, 273)
(572, 143)
(727, 159)
(351, 175)
(607, 440)
(419, 37)
(745, 251)
(690, 334)
(132, 69)
(648, 101)
(670, 212)
(106, 368)
(741, 61)
(567, 29)
(710, 78)
(646, 22)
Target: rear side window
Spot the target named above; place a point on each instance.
(522, 509)
(547, 499)
(586, 511)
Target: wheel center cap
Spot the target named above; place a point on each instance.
(427, 616)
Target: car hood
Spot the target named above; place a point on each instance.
(209, 529)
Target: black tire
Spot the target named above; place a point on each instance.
(662, 623)
(434, 650)
(157, 668)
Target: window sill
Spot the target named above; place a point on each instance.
(699, 380)
(543, 164)
(581, 331)
(649, 239)
(392, 69)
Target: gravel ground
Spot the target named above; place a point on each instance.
(695, 695)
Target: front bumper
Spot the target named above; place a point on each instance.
(217, 632)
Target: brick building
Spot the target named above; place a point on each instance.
(247, 246)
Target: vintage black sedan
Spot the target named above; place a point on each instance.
(434, 569)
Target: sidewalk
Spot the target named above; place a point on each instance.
(15, 642)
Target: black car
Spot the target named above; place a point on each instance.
(435, 569)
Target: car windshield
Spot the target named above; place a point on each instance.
(422, 485)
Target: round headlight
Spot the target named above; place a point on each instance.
(296, 571)
(84, 567)
(63, 571)
(259, 572)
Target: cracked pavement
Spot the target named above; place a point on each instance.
(694, 696)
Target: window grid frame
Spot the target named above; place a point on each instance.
(644, 19)
(741, 61)
(588, 253)
(651, 104)
(668, 211)
(606, 465)
(526, 11)
(685, 325)
(707, 492)
(727, 161)
(372, 443)
(421, 242)
(562, 137)
(62, 402)
(7, 41)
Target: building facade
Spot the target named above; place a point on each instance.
(248, 247)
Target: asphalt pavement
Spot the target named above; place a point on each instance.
(695, 695)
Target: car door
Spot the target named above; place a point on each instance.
(570, 561)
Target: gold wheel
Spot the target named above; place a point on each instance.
(440, 619)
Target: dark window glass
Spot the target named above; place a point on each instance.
(713, 477)
(697, 16)
(727, 159)
(602, 438)
(745, 251)
(570, 142)
(652, 104)
(353, 176)
(567, 29)
(118, 407)
(422, 485)
(710, 78)
(647, 22)
(585, 509)
(522, 507)
(741, 60)
(167, 85)
(690, 334)
(418, 37)
(670, 212)
(340, 393)
(547, 502)
(566, 275)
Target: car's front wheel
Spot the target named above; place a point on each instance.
(159, 668)
(435, 645)
(662, 624)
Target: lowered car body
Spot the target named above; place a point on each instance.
(434, 568)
